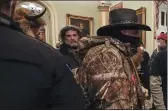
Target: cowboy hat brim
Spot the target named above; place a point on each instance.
(110, 30)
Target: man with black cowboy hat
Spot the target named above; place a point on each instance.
(33, 75)
(108, 74)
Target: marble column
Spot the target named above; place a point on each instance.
(104, 14)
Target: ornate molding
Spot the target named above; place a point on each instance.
(103, 8)
(116, 6)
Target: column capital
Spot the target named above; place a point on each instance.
(104, 8)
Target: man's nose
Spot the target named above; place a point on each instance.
(72, 37)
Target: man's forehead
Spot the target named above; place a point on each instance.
(71, 32)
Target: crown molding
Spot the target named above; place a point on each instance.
(103, 8)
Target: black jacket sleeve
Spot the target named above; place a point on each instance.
(66, 93)
(159, 63)
(152, 57)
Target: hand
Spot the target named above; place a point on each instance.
(140, 50)
(138, 56)
(145, 91)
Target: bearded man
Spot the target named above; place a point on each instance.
(69, 36)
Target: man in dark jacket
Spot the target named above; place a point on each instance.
(162, 45)
(69, 36)
(33, 75)
(158, 80)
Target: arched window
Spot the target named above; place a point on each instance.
(162, 18)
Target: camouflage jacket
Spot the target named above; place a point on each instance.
(108, 75)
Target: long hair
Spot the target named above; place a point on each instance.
(65, 29)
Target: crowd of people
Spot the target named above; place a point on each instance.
(108, 71)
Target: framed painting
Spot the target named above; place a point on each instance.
(141, 13)
(84, 23)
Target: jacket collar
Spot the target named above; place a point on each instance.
(91, 41)
(64, 49)
(7, 21)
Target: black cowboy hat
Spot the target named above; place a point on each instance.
(121, 19)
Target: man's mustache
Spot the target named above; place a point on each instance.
(74, 45)
(73, 41)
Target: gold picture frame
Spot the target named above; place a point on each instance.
(86, 22)
(141, 14)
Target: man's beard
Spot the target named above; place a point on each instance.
(73, 45)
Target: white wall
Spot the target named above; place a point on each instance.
(81, 8)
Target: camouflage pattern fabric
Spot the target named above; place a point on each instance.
(108, 75)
